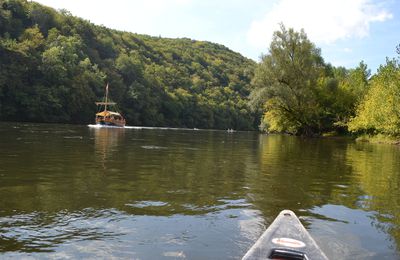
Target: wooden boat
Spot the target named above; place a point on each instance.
(285, 238)
(107, 117)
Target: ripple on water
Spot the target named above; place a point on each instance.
(42, 232)
(73, 137)
(153, 147)
(145, 204)
(178, 254)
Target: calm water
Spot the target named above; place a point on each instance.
(78, 192)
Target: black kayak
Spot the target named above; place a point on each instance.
(286, 238)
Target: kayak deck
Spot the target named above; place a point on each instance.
(285, 238)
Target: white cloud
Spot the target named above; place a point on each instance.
(347, 50)
(324, 21)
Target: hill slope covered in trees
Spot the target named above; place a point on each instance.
(54, 66)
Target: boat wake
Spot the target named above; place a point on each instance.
(105, 126)
(142, 127)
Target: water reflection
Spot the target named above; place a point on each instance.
(41, 232)
(377, 172)
(106, 141)
(350, 233)
(337, 187)
(76, 192)
(299, 173)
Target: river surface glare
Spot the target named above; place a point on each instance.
(72, 192)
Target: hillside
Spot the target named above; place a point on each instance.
(54, 66)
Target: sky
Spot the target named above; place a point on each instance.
(346, 31)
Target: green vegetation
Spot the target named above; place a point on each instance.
(300, 93)
(54, 66)
(287, 79)
(379, 111)
(378, 138)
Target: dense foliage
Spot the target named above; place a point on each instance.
(54, 66)
(288, 78)
(379, 111)
(301, 94)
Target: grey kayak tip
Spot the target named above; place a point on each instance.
(286, 238)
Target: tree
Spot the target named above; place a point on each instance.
(356, 82)
(379, 111)
(345, 90)
(53, 66)
(285, 83)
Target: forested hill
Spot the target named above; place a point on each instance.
(54, 66)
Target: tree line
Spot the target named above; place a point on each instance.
(54, 66)
(299, 93)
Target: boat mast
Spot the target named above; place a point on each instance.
(105, 102)
(105, 105)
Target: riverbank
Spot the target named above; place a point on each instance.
(375, 139)
(379, 139)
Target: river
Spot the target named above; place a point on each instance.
(69, 192)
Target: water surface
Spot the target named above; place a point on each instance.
(77, 192)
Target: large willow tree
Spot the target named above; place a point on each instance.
(286, 84)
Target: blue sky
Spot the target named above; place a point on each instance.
(347, 31)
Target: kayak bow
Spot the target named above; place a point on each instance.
(286, 238)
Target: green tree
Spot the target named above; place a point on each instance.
(358, 81)
(338, 93)
(53, 66)
(379, 111)
(285, 83)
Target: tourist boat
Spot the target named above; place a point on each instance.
(285, 238)
(107, 117)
